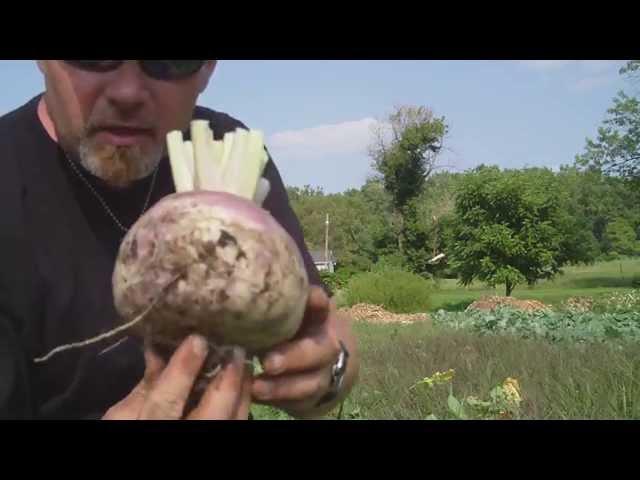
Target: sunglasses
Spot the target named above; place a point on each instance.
(156, 69)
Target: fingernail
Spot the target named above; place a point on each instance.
(262, 389)
(273, 363)
(238, 356)
(199, 345)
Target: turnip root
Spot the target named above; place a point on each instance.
(238, 277)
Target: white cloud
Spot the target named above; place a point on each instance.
(332, 156)
(351, 137)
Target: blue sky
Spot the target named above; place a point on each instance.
(317, 115)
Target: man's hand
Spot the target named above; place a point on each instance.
(163, 392)
(298, 373)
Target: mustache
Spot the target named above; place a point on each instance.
(101, 123)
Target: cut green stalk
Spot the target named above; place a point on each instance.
(217, 153)
(190, 160)
(206, 174)
(250, 165)
(182, 177)
(232, 173)
(262, 191)
(233, 165)
(226, 151)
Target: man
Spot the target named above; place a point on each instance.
(81, 163)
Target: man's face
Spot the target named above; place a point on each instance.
(116, 121)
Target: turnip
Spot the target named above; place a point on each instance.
(217, 263)
(233, 273)
(209, 259)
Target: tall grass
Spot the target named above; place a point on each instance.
(568, 381)
(558, 381)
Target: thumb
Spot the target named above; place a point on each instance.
(317, 310)
(129, 408)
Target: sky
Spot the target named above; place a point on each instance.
(317, 116)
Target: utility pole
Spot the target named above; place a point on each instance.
(326, 241)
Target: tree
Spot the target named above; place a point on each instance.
(616, 151)
(403, 163)
(511, 227)
(434, 209)
(595, 199)
(621, 237)
(359, 229)
(630, 68)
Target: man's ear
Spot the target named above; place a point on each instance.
(205, 74)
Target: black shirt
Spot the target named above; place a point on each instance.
(58, 246)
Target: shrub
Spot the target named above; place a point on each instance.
(395, 289)
(609, 256)
(635, 281)
(392, 260)
(339, 279)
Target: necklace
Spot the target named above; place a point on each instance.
(102, 201)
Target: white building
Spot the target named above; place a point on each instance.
(322, 264)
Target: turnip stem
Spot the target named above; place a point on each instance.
(181, 175)
(233, 165)
(190, 160)
(262, 191)
(205, 161)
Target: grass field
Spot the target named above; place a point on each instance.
(599, 380)
(593, 280)
(565, 381)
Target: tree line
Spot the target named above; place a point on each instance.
(500, 226)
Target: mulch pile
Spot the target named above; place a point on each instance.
(377, 314)
(579, 304)
(491, 303)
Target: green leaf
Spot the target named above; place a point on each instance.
(257, 366)
(455, 407)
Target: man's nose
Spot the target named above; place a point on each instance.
(128, 88)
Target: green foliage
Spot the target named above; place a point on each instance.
(359, 228)
(406, 161)
(397, 290)
(403, 164)
(552, 326)
(391, 260)
(511, 228)
(421, 221)
(630, 67)
(594, 200)
(504, 400)
(620, 236)
(339, 279)
(610, 256)
(616, 151)
(635, 283)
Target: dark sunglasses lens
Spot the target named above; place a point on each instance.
(95, 65)
(171, 69)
